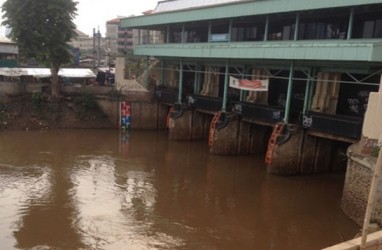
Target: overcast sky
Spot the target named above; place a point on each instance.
(94, 13)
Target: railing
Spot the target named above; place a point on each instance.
(337, 125)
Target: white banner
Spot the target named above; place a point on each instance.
(250, 85)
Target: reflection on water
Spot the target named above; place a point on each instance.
(94, 189)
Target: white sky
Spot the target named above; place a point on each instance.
(94, 13)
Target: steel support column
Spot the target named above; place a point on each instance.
(226, 82)
(266, 29)
(147, 71)
(182, 35)
(289, 93)
(308, 91)
(197, 79)
(296, 27)
(350, 25)
(180, 81)
(161, 72)
(168, 34)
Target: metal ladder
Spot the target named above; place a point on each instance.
(272, 142)
(214, 121)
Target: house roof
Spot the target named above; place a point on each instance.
(114, 21)
(5, 40)
(45, 72)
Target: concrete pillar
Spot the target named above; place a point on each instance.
(372, 129)
(301, 154)
(326, 94)
(356, 188)
(111, 109)
(181, 127)
(285, 158)
(226, 139)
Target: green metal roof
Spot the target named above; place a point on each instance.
(237, 9)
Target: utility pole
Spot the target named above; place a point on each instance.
(98, 47)
(94, 49)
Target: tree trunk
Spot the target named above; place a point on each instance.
(55, 82)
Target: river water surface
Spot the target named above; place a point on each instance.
(98, 189)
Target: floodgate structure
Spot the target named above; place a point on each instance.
(316, 63)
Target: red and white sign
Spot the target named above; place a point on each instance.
(250, 85)
(125, 115)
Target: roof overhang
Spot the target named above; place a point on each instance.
(322, 50)
(237, 9)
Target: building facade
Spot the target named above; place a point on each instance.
(119, 39)
(319, 61)
(8, 53)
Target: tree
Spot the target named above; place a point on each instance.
(42, 30)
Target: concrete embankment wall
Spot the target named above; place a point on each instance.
(296, 152)
(361, 165)
(12, 88)
(374, 242)
(359, 174)
(146, 113)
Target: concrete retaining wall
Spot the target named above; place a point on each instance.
(11, 88)
(357, 186)
(374, 242)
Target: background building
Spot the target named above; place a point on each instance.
(8, 53)
(119, 39)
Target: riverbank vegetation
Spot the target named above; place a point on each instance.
(40, 111)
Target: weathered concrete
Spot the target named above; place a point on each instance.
(322, 155)
(244, 138)
(200, 125)
(373, 243)
(252, 138)
(307, 161)
(357, 185)
(259, 137)
(111, 109)
(180, 128)
(372, 128)
(162, 116)
(301, 154)
(86, 89)
(226, 139)
(11, 88)
(144, 115)
(285, 159)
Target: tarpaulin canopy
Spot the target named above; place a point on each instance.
(45, 72)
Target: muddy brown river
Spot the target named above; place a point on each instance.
(99, 189)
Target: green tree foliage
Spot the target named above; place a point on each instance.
(42, 30)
